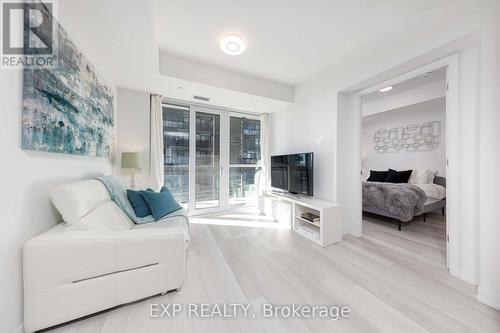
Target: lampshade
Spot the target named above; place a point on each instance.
(131, 160)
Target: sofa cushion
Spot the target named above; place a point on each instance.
(167, 222)
(57, 258)
(74, 200)
(105, 217)
(160, 204)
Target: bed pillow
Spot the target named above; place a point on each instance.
(160, 203)
(412, 177)
(424, 177)
(377, 176)
(394, 176)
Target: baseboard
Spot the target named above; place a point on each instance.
(488, 297)
(19, 329)
(351, 233)
(468, 276)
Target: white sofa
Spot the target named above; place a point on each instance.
(97, 258)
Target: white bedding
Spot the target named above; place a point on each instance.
(433, 191)
(430, 201)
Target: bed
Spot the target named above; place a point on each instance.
(403, 202)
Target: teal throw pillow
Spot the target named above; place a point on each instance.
(160, 203)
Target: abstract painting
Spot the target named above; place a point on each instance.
(68, 109)
(412, 138)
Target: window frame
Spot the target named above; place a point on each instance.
(257, 165)
(186, 108)
(226, 166)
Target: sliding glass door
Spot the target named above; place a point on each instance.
(207, 161)
(176, 138)
(244, 159)
(212, 157)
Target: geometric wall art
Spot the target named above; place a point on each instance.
(412, 138)
(68, 109)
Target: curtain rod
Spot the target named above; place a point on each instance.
(188, 103)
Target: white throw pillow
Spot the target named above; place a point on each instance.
(105, 217)
(424, 176)
(75, 200)
(411, 180)
(432, 174)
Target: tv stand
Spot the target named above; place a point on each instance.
(287, 194)
(326, 231)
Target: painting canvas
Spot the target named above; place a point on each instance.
(68, 109)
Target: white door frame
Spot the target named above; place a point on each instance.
(229, 165)
(352, 103)
(224, 158)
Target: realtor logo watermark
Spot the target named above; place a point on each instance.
(28, 34)
(249, 311)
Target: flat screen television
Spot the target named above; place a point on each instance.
(293, 173)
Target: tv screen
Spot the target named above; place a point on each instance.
(293, 173)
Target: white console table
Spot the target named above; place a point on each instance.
(327, 231)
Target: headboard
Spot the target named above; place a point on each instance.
(440, 181)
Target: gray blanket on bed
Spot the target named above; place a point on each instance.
(400, 200)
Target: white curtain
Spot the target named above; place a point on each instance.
(264, 143)
(156, 143)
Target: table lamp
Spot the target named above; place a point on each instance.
(132, 161)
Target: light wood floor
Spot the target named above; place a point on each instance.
(393, 281)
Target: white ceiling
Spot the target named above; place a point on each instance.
(410, 92)
(417, 108)
(408, 85)
(288, 41)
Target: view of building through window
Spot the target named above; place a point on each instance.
(176, 151)
(244, 159)
(207, 160)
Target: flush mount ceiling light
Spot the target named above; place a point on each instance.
(232, 45)
(386, 89)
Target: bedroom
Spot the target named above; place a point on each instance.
(403, 159)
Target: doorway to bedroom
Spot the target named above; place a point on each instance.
(403, 166)
(461, 135)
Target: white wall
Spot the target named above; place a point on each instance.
(133, 132)
(468, 161)
(489, 164)
(197, 72)
(312, 122)
(434, 110)
(420, 94)
(28, 176)
(309, 129)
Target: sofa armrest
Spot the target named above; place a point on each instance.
(56, 258)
